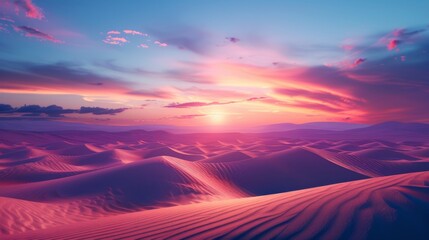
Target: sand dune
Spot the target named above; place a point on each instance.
(61, 179)
(379, 208)
(383, 154)
(167, 151)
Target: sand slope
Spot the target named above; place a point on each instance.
(394, 207)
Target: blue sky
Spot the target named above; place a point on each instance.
(215, 55)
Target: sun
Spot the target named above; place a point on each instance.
(217, 118)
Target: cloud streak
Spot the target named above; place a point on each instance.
(134, 32)
(161, 44)
(187, 116)
(35, 33)
(196, 104)
(204, 104)
(66, 78)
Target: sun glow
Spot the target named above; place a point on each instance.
(217, 118)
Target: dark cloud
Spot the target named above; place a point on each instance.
(384, 42)
(55, 111)
(101, 111)
(232, 39)
(32, 32)
(36, 110)
(255, 98)
(6, 108)
(386, 88)
(359, 61)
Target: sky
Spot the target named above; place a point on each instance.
(204, 63)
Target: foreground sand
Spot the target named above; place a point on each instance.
(394, 207)
(158, 185)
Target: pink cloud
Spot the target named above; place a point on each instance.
(161, 44)
(113, 32)
(358, 61)
(7, 19)
(31, 10)
(347, 47)
(256, 99)
(188, 116)
(143, 46)
(133, 32)
(196, 104)
(393, 44)
(398, 32)
(119, 39)
(115, 40)
(204, 104)
(32, 32)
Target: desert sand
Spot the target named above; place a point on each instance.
(157, 185)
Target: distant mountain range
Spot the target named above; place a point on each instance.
(332, 126)
(320, 130)
(386, 131)
(44, 125)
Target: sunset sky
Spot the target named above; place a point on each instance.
(199, 63)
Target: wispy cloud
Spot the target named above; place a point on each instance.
(187, 116)
(113, 32)
(134, 32)
(185, 38)
(68, 78)
(7, 19)
(204, 104)
(232, 39)
(196, 104)
(30, 9)
(35, 33)
(161, 44)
